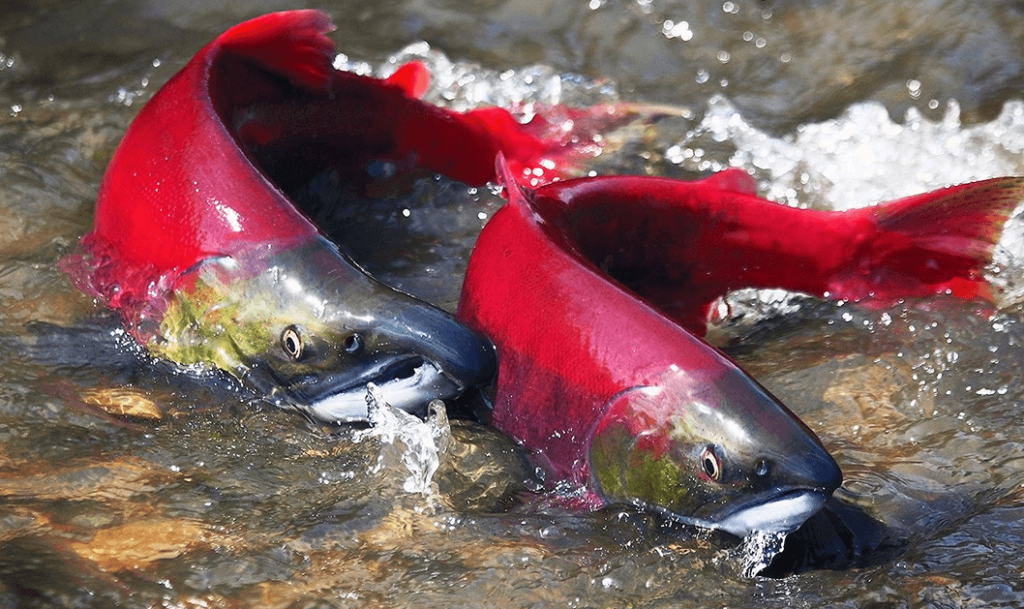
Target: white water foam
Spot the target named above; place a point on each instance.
(463, 85)
(863, 157)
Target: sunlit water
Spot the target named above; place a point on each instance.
(200, 496)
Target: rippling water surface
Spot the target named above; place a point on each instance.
(131, 484)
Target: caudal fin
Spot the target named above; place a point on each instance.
(937, 242)
(291, 44)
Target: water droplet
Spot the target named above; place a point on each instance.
(914, 88)
(680, 30)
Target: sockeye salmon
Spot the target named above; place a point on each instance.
(596, 292)
(208, 262)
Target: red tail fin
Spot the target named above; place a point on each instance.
(931, 243)
(290, 43)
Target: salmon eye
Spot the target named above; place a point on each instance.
(710, 463)
(353, 343)
(291, 342)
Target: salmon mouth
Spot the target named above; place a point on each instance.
(782, 512)
(407, 383)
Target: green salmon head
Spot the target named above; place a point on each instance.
(306, 328)
(714, 451)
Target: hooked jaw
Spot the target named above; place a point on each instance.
(432, 356)
(782, 514)
(412, 351)
(787, 499)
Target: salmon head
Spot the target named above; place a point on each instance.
(717, 452)
(305, 328)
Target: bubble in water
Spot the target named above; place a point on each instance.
(914, 88)
(680, 30)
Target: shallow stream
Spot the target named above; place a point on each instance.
(200, 497)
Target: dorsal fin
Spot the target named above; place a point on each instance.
(733, 179)
(291, 44)
(515, 193)
(413, 78)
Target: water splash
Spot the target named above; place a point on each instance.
(758, 549)
(862, 156)
(463, 85)
(407, 441)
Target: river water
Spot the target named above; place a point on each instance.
(199, 497)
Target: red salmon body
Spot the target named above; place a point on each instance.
(208, 262)
(595, 292)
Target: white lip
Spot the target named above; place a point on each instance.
(410, 394)
(782, 515)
